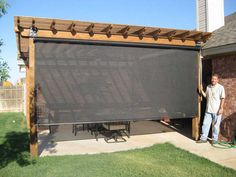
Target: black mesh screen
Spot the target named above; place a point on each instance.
(92, 82)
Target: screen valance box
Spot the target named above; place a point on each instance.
(92, 81)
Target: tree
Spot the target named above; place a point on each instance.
(4, 68)
(3, 7)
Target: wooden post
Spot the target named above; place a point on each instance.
(27, 98)
(31, 99)
(196, 120)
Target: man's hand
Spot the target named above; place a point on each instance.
(220, 111)
(201, 91)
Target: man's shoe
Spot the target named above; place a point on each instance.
(201, 141)
(214, 142)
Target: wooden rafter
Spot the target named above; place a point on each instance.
(155, 33)
(169, 34)
(90, 29)
(140, 32)
(196, 36)
(33, 28)
(124, 31)
(182, 35)
(107, 30)
(71, 28)
(53, 27)
(18, 27)
(33, 23)
(205, 36)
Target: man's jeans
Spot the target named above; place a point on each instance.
(210, 118)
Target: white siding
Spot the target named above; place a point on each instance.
(210, 14)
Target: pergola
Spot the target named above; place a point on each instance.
(30, 28)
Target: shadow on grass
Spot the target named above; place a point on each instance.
(15, 148)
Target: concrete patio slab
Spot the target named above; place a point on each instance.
(222, 156)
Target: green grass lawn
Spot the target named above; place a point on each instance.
(159, 160)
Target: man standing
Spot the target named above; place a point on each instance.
(215, 95)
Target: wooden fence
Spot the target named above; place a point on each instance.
(12, 99)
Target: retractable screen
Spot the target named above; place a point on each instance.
(91, 82)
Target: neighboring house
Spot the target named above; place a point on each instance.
(7, 84)
(220, 57)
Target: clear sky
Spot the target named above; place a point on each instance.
(179, 14)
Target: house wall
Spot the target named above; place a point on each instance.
(207, 12)
(225, 66)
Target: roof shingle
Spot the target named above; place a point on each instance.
(225, 35)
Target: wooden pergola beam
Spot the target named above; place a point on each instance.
(103, 37)
(124, 31)
(107, 30)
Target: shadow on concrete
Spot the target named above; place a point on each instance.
(64, 132)
(47, 145)
(48, 141)
(182, 126)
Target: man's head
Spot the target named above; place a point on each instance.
(214, 79)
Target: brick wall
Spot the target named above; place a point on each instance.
(225, 66)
